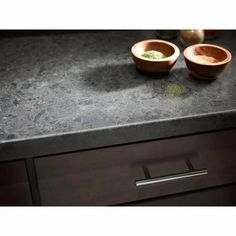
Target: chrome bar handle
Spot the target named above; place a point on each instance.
(167, 178)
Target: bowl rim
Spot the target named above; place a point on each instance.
(174, 56)
(228, 58)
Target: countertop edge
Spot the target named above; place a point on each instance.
(110, 136)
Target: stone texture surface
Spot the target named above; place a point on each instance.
(77, 83)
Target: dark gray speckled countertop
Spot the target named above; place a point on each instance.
(80, 90)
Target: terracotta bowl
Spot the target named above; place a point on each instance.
(155, 67)
(206, 61)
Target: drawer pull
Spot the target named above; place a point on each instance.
(171, 177)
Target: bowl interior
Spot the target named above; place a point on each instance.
(163, 47)
(217, 53)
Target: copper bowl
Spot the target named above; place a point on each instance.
(206, 61)
(157, 66)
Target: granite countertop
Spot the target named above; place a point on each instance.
(74, 91)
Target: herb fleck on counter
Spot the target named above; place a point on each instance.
(172, 89)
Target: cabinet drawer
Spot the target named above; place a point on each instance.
(14, 188)
(113, 175)
(217, 196)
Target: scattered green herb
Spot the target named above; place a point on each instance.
(175, 90)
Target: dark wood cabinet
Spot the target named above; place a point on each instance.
(110, 176)
(14, 188)
(189, 170)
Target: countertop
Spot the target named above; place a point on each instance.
(73, 91)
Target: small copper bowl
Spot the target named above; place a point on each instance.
(155, 67)
(206, 61)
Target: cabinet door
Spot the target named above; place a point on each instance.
(14, 188)
(133, 172)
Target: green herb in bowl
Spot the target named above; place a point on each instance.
(152, 54)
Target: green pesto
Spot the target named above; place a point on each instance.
(152, 54)
(175, 90)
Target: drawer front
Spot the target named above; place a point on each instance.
(14, 188)
(138, 171)
(217, 196)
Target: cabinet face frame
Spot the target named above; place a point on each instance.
(14, 186)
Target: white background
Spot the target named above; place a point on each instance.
(118, 221)
(116, 14)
